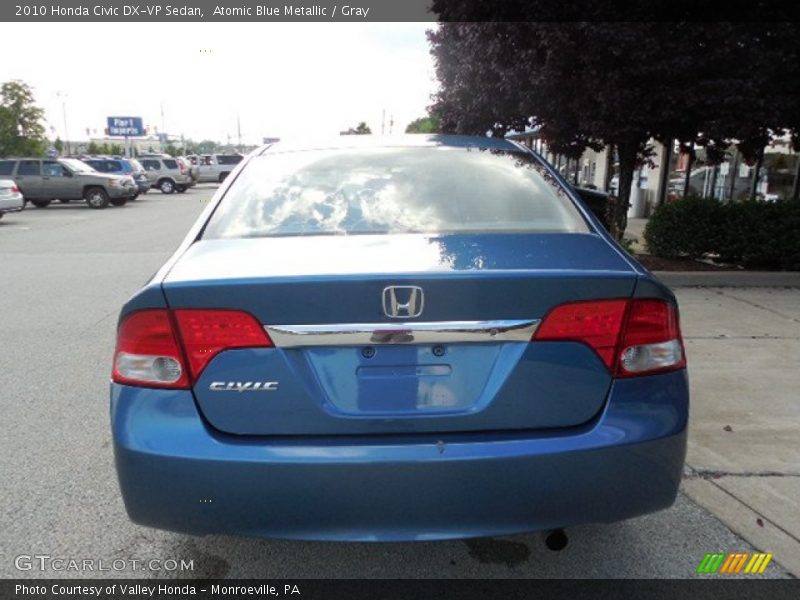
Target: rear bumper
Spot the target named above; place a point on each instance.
(175, 473)
(13, 204)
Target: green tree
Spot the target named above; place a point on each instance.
(361, 129)
(429, 124)
(59, 145)
(207, 147)
(22, 131)
(93, 148)
(171, 150)
(116, 149)
(598, 83)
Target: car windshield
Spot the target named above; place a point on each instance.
(440, 189)
(76, 165)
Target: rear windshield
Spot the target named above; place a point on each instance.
(393, 190)
(225, 159)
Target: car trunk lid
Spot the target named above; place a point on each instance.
(342, 365)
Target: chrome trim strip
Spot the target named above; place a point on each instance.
(438, 332)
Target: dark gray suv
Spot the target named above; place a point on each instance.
(42, 181)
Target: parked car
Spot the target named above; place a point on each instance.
(166, 173)
(42, 181)
(11, 199)
(416, 338)
(214, 167)
(121, 166)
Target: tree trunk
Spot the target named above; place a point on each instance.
(796, 186)
(627, 165)
(663, 179)
(733, 166)
(756, 173)
(714, 173)
(688, 176)
(609, 168)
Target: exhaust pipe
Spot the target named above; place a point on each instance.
(556, 540)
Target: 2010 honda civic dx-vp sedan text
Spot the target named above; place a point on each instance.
(402, 338)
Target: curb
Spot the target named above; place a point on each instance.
(729, 278)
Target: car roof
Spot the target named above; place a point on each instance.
(422, 140)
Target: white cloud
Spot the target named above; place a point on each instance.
(281, 79)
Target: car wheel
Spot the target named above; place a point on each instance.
(166, 186)
(96, 197)
(134, 197)
(40, 203)
(118, 201)
(222, 177)
(180, 188)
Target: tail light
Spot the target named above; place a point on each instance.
(651, 340)
(206, 333)
(182, 167)
(170, 349)
(631, 337)
(14, 189)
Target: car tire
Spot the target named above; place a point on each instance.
(134, 197)
(222, 176)
(40, 203)
(96, 197)
(166, 186)
(180, 188)
(118, 201)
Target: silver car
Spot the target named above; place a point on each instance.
(214, 167)
(11, 199)
(65, 179)
(166, 173)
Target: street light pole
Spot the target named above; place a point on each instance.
(63, 96)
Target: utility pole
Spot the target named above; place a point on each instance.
(383, 122)
(391, 124)
(163, 130)
(63, 96)
(239, 132)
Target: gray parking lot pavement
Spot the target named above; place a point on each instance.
(65, 272)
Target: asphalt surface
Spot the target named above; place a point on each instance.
(65, 271)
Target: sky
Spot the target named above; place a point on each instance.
(278, 79)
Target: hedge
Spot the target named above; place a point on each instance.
(754, 234)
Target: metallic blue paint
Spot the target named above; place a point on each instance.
(539, 435)
(334, 391)
(177, 473)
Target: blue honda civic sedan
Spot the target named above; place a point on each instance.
(405, 338)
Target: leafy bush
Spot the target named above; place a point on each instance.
(685, 228)
(754, 234)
